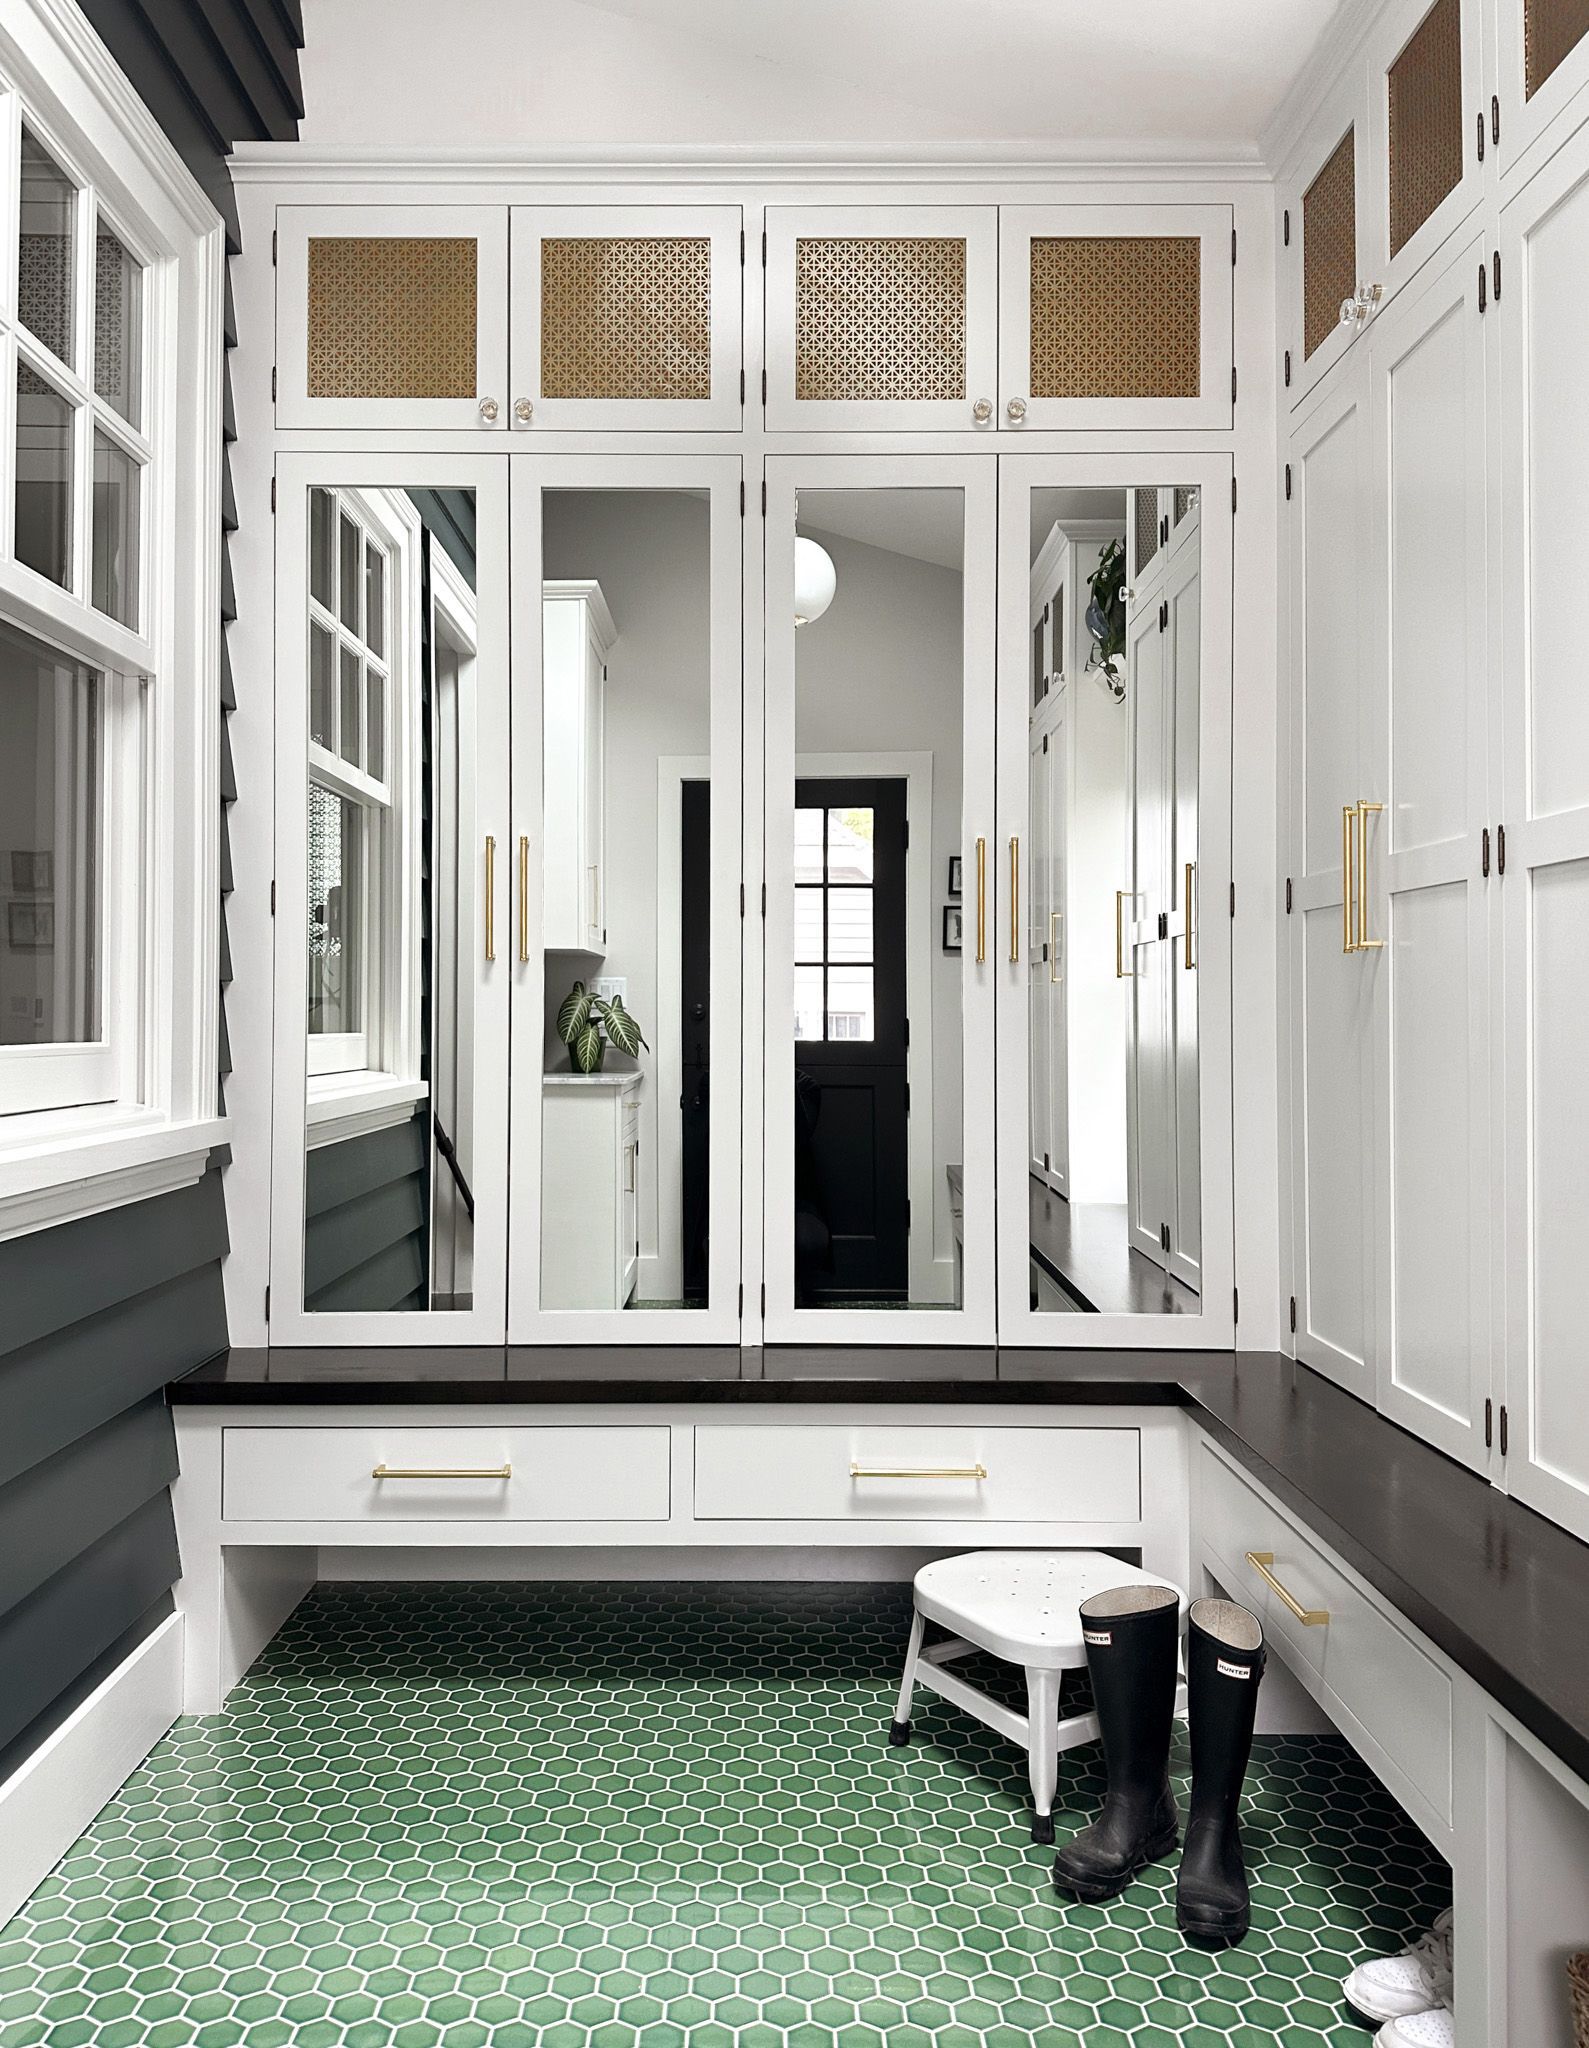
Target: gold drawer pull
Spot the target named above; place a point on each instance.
(1310, 1617)
(978, 1471)
(441, 1472)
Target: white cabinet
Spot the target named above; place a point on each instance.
(590, 1177)
(1542, 63)
(577, 632)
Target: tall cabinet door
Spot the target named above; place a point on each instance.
(1544, 891)
(627, 317)
(620, 899)
(392, 316)
(1115, 316)
(1333, 980)
(1424, 899)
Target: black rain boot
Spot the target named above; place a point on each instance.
(1225, 1657)
(1132, 1636)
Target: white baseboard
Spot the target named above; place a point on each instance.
(790, 1563)
(51, 1798)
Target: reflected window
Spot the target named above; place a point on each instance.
(834, 873)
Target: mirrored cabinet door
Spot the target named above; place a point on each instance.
(623, 875)
(392, 316)
(1113, 988)
(889, 900)
(393, 890)
(627, 317)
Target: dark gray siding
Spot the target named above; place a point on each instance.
(365, 1221)
(97, 1315)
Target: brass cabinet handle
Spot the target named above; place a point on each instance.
(977, 1471)
(1364, 943)
(1015, 900)
(1053, 945)
(1348, 890)
(491, 898)
(503, 1471)
(524, 898)
(1122, 972)
(1310, 1617)
(982, 901)
(1191, 869)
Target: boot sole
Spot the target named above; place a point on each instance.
(1215, 1934)
(1094, 1893)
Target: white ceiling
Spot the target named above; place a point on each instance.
(1164, 76)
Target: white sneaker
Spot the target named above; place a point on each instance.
(1434, 2029)
(1391, 1987)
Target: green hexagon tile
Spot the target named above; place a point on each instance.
(660, 1817)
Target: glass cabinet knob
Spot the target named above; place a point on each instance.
(523, 411)
(1016, 410)
(489, 410)
(982, 411)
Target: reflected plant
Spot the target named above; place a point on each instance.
(588, 1023)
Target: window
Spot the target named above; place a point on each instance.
(109, 642)
(833, 925)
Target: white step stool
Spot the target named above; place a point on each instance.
(1020, 1605)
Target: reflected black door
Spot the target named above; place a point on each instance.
(852, 1095)
(695, 987)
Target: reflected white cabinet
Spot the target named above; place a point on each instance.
(590, 1174)
(577, 633)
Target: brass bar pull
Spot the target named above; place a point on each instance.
(1364, 943)
(491, 898)
(982, 901)
(503, 1471)
(1310, 1617)
(1053, 946)
(524, 898)
(1348, 937)
(1191, 869)
(1122, 972)
(1015, 901)
(977, 1471)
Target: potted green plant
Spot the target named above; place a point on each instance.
(587, 1024)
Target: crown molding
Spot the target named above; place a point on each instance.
(1340, 44)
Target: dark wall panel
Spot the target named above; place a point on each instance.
(364, 1237)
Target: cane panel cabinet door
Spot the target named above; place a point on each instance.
(1332, 971)
(1544, 889)
(1426, 133)
(1325, 206)
(1542, 53)
(627, 317)
(392, 316)
(881, 317)
(1115, 316)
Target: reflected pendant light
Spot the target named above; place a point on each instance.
(815, 580)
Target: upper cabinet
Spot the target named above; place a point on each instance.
(392, 316)
(626, 317)
(1114, 316)
(1542, 54)
(881, 317)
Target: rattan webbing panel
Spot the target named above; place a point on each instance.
(626, 316)
(1329, 244)
(392, 316)
(880, 317)
(1147, 528)
(1116, 316)
(1552, 29)
(1426, 127)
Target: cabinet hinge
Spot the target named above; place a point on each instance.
(1233, 899)
(1495, 137)
(1164, 614)
(742, 387)
(1288, 483)
(1484, 853)
(1233, 494)
(1045, 1163)
(764, 388)
(906, 833)
(1288, 369)
(1235, 1304)
(273, 496)
(273, 248)
(1489, 1406)
(1484, 290)
(1500, 849)
(1288, 895)
(764, 248)
(1293, 1315)
(742, 245)
(267, 1304)
(764, 1301)
(1285, 227)
(1233, 248)
(742, 489)
(1503, 1429)
(1495, 280)
(1480, 121)
(742, 899)
(742, 1297)
(764, 497)
(273, 895)
(764, 899)
(907, 1031)
(1045, 743)
(273, 383)
(1233, 383)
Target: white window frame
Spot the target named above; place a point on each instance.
(363, 1080)
(157, 1120)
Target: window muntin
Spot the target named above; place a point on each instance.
(834, 875)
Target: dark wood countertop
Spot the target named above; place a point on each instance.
(1503, 1592)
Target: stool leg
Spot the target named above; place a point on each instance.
(1042, 1744)
(899, 1733)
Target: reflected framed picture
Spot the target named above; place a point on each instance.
(30, 927)
(32, 874)
(955, 872)
(952, 916)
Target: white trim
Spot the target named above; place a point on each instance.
(342, 1106)
(53, 1797)
(963, 162)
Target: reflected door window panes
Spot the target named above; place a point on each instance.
(43, 477)
(46, 272)
(118, 326)
(336, 953)
(115, 550)
(833, 925)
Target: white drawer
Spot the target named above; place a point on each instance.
(1362, 1656)
(617, 1474)
(808, 1473)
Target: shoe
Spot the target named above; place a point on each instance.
(1224, 1663)
(1433, 2029)
(1392, 1987)
(1131, 1636)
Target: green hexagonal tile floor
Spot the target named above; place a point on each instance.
(639, 1816)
